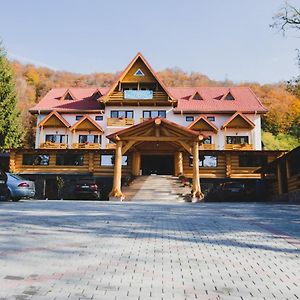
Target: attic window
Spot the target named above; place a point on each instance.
(229, 97)
(139, 72)
(197, 96)
(219, 97)
(96, 95)
(68, 97)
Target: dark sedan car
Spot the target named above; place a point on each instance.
(3, 186)
(227, 191)
(87, 189)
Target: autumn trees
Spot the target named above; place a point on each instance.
(10, 129)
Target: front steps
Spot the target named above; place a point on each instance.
(157, 188)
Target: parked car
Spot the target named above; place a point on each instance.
(87, 189)
(19, 187)
(227, 191)
(3, 186)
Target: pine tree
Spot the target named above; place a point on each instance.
(10, 128)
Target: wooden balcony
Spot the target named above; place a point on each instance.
(238, 147)
(207, 147)
(50, 145)
(111, 146)
(119, 122)
(157, 96)
(86, 146)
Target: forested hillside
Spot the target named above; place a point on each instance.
(281, 124)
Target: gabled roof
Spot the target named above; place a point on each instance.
(138, 56)
(214, 102)
(54, 119)
(238, 120)
(86, 123)
(209, 126)
(137, 129)
(84, 100)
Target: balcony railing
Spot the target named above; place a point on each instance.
(50, 145)
(238, 147)
(111, 146)
(86, 146)
(207, 147)
(120, 122)
(158, 96)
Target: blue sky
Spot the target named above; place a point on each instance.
(222, 39)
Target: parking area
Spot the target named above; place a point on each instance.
(101, 250)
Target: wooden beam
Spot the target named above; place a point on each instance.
(127, 147)
(153, 139)
(196, 177)
(187, 147)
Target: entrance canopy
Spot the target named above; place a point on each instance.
(156, 130)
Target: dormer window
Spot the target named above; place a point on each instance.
(96, 95)
(139, 72)
(197, 96)
(68, 97)
(229, 97)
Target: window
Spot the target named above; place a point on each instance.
(36, 159)
(229, 97)
(237, 140)
(109, 160)
(139, 72)
(68, 97)
(197, 96)
(252, 160)
(207, 140)
(206, 161)
(128, 114)
(65, 159)
(150, 114)
(78, 118)
(211, 118)
(56, 138)
(189, 118)
(99, 118)
(90, 138)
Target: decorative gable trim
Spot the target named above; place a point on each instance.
(203, 119)
(90, 120)
(247, 122)
(54, 114)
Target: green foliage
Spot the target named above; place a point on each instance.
(10, 129)
(279, 142)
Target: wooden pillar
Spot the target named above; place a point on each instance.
(279, 179)
(116, 189)
(136, 163)
(178, 163)
(196, 193)
(41, 136)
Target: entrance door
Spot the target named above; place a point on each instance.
(157, 164)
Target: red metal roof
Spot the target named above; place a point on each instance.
(213, 100)
(84, 100)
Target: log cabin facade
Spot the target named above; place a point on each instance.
(139, 126)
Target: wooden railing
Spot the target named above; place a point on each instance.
(86, 146)
(119, 122)
(156, 96)
(111, 146)
(207, 147)
(50, 145)
(238, 147)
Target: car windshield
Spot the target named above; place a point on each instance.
(15, 176)
(233, 185)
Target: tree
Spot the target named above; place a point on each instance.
(10, 128)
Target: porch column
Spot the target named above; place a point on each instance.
(136, 163)
(41, 137)
(196, 193)
(116, 189)
(178, 163)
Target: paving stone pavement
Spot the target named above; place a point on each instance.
(101, 250)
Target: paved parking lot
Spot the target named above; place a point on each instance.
(97, 250)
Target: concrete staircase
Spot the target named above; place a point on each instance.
(156, 188)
